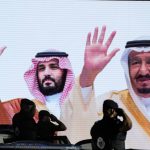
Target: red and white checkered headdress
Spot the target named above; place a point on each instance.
(31, 75)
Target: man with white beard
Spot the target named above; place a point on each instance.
(135, 100)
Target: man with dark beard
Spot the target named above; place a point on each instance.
(50, 80)
(48, 84)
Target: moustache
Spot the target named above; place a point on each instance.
(48, 78)
(142, 77)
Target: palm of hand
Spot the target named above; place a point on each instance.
(96, 57)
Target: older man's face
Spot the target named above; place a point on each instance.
(51, 77)
(139, 70)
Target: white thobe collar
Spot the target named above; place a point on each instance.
(52, 103)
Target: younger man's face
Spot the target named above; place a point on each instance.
(51, 77)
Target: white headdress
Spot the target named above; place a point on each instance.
(141, 44)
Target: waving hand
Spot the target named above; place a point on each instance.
(96, 56)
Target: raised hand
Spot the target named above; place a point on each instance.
(2, 49)
(96, 56)
(53, 118)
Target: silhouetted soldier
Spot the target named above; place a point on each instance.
(23, 122)
(47, 125)
(110, 132)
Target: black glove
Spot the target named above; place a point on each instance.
(53, 118)
(119, 111)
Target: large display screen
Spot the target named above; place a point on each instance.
(28, 27)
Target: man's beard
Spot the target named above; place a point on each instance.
(50, 90)
(144, 90)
